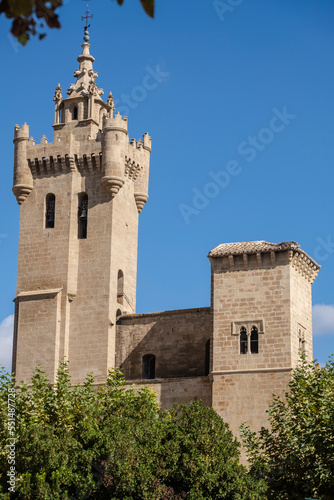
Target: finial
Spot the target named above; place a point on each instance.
(110, 100)
(58, 96)
(87, 16)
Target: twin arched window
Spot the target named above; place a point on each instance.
(148, 366)
(249, 341)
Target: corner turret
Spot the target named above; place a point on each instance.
(141, 182)
(23, 182)
(114, 144)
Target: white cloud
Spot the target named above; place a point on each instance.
(6, 341)
(323, 319)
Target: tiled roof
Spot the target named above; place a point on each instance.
(252, 247)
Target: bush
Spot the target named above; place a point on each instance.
(296, 454)
(113, 442)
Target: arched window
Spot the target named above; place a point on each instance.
(82, 215)
(301, 336)
(50, 204)
(254, 340)
(148, 363)
(75, 113)
(243, 340)
(207, 357)
(120, 287)
(61, 113)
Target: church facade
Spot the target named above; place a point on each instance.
(80, 197)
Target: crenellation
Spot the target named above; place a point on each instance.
(21, 133)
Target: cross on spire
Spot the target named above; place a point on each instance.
(87, 16)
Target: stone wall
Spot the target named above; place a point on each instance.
(176, 338)
(273, 292)
(252, 296)
(81, 327)
(179, 390)
(301, 316)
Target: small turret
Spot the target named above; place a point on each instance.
(23, 181)
(114, 139)
(141, 183)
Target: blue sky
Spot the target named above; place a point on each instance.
(223, 71)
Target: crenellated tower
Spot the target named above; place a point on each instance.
(80, 197)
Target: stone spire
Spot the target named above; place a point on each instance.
(84, 102)
(85, 85)
(85, 76)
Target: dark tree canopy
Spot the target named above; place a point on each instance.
(30, 16)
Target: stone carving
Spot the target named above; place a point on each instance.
(110, 101)
(71, 89)
(58, 95)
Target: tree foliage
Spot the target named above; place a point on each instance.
(30, 16)
(296, 455)
(113, 442)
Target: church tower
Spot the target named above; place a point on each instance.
(80, 196)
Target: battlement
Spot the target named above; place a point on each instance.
(262, 254)
(21, 133)
(147, 142)
(117, 123)
(62, 145)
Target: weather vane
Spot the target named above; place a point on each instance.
(87, 16)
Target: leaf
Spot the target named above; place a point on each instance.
(148, 6)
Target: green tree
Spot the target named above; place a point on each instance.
(113, 442)
(296, 454)
(200, 456)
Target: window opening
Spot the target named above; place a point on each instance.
(75, 113)
(82, 215)
(207, 357)
(254, 340)
(301, 340)
(149, 366)
(60, 109)
(120, 287)
(50, 211)
(243, 340)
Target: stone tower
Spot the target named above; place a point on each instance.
(80, 196)
(262, 318)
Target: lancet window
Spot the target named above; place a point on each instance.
(50, 204)
(82, 215)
